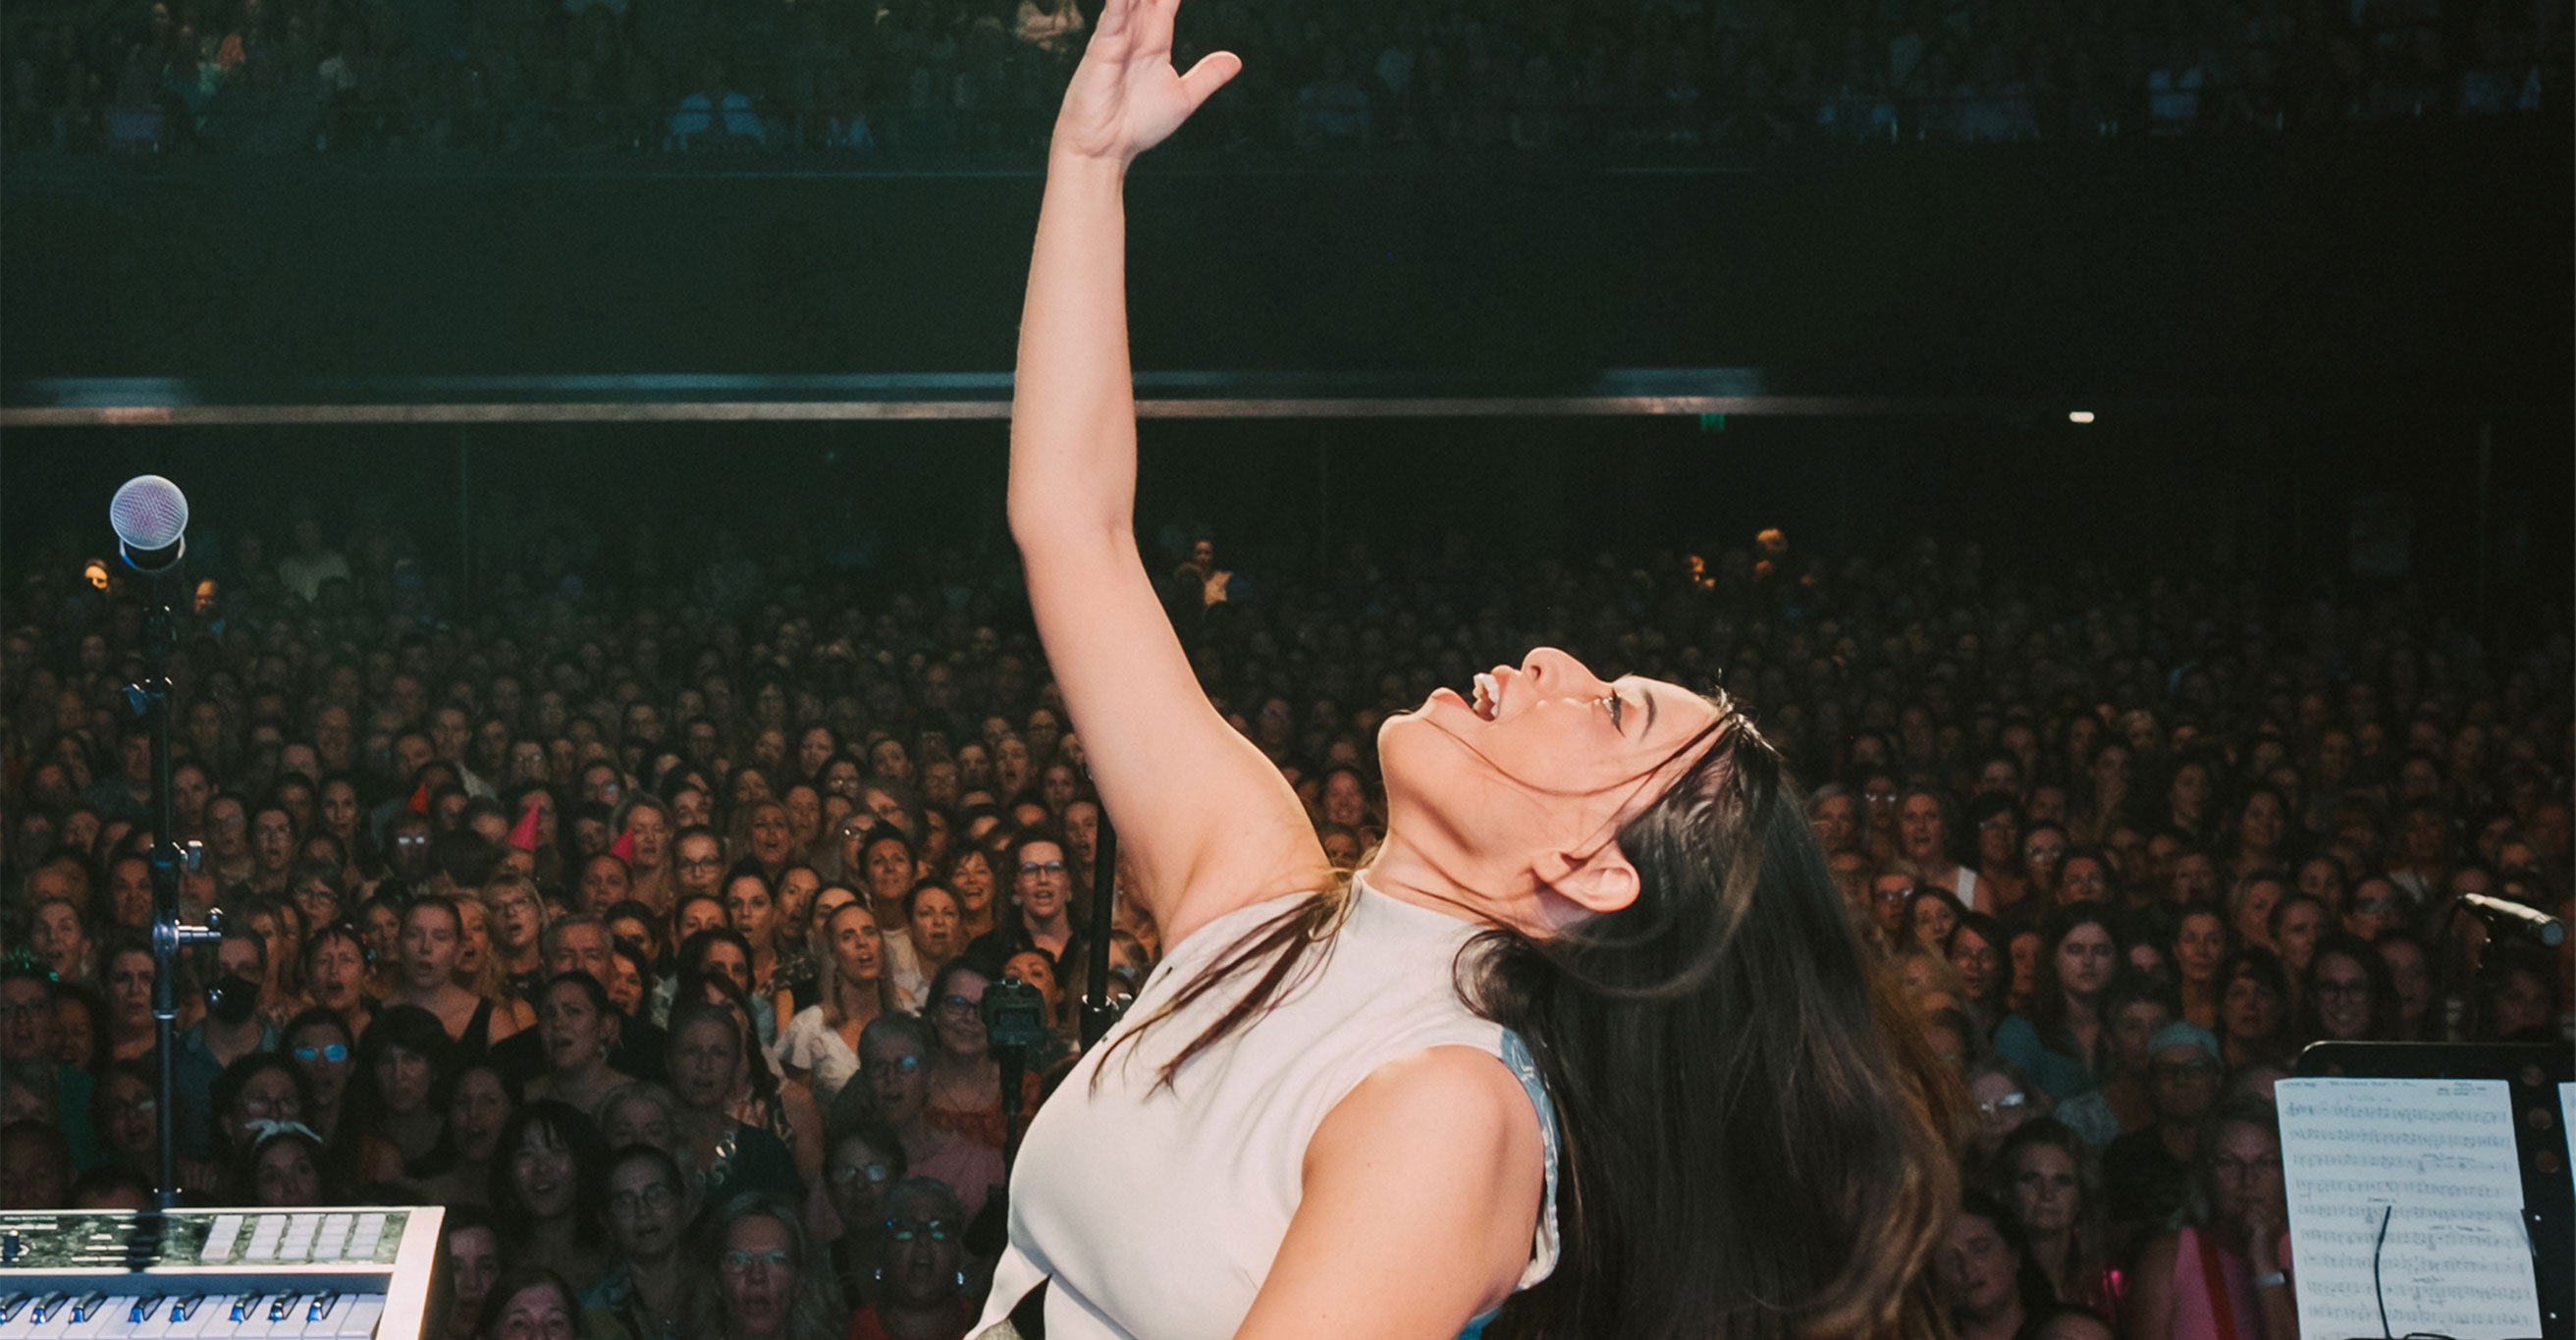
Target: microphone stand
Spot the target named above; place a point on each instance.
(1097, 1013)
(150, 700)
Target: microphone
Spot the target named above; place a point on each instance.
(2509, 920)
(150, 517)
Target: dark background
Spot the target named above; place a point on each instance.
(2272, 330)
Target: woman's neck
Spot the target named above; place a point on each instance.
(414, 1133)
(859, 1001)
(2003, 1323)
(2052, 1249)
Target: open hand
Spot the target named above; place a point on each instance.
(1125, 97)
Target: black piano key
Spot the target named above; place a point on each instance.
(47, 1306)
(242, 1306)
(11, 1303)
(285, 1303)
(86, 1304)
(321, 1306)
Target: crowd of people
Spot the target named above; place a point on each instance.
(608, 77)
(648, 927)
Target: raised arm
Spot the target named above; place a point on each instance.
(1208, 822)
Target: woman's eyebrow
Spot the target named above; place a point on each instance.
(1649, 695)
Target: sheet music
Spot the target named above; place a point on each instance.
(2436, 1160)
(2567, 1122)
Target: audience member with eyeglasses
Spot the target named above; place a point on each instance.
(2146, 1172)
(654, 1289)
(921, 1284)
(2224, 1270)
(769, 1284)
(867, 1158)
(895, 1068)
(1040, 910)
(321, 1044)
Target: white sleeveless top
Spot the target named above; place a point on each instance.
(1155, 1213)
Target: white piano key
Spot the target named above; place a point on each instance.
(111, 1311)
(155, 1324)
(57, 1316)
(223, 1239)
(360, 1321)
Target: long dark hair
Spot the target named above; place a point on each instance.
(1757, 1140)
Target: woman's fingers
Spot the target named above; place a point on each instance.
(1209, 75)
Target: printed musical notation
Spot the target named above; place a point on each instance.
(2430, 1164)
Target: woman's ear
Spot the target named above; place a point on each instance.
(1600, 882)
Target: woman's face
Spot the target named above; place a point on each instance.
(130, 1114)
(1548, 758)
(2301, 923)
(2261, 821)
(402, 1080)
(269, 1096)
(2245, 1172)
(1933, 922)
(858, 947)
(1037, 972)
(921, 1250)
(339, 809)
(2024, 951)
(430, 943)
(2131, 1028)
(625, 985)
(2086, 959)
(2041, 854)
(749, 907)
(1918, 825)
(937, 923)
(652, 830)
(474, 947)
(323, 1054)
(970, 877)
(645, 1211)
(638, 1121)
(2343, 997)
(59, 938)
(813, 749)
(890, 870)
(700, 914)
(773, 836)
(286, 1175)
(129, 990)
(1977, 1269)
(542, 1170)
(2250, 1011)
(1998, 839)
(2254, 912)
(477, 1108)
(703, 1059)
(691, 808)
(757, 1273)
(537, 1312)
(726, 959)
(1978, 963)
(574, 1031)
(796, 890)
(957, 1018)
(2199, 947)
(856, 1177)
(473, 1263)
(2044, 1189)
(898, 1078)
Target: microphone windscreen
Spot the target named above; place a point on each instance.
(148, 513)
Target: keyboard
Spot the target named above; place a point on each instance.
(322, 1274)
